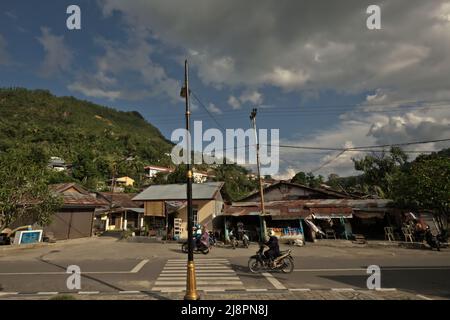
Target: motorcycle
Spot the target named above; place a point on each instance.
(443, 237)
(201, 248)
(432, 240)
(235, 242)
(259, 262)
(212, 239)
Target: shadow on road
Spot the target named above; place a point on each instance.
(432, 280)
(152, 294)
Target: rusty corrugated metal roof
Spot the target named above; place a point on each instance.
(305, 208)
(81, 197)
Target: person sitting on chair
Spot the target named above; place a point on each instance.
(274, 248)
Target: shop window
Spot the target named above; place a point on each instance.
(195, 215)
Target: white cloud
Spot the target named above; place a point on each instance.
(234, 102)
(127, 70)
(214, 109)
(58, 57)
(366, 129)
(299, 46)
(248, 96)
(93, 92)
(253, 97)
(279, 44)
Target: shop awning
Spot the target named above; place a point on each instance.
(331, 212)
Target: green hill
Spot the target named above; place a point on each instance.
(78, 131)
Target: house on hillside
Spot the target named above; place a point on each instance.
(201, 176)
(119, 213)
(75, 218)
(165, 206)
(124, 182)
(151, 171)
(57, 164)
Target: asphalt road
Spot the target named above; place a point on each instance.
(109, 266)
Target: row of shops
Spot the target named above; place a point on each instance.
(318, 218)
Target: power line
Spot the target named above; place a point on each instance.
(206, 109)
(361, 148)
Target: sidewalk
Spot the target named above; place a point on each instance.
(269, 295)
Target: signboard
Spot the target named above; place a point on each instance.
(28, 236)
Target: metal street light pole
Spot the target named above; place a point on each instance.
(263, 210)
(191, 286)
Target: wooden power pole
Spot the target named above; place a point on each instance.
(191, 286)
(261, 192)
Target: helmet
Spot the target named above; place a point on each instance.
(271, 233)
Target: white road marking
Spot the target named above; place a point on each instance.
(364, 269)
(58, 273)
(128, 292)
(199, 278)
(168, 289)
(8, 293)
(211, 275)
(183, 270)
(88, 292)
(423, 297)
(386, 289)
(277, 284)
(255, 290)
(329, 270)
(199, 274)
(342, 289)
(300, 289)
(139, 266)
(198, 260)
(198, 267)
(47, 293)
(199, 282)
(214, 290)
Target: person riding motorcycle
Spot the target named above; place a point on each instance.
(274, 248)
(204, 239)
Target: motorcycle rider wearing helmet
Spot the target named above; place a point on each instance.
(274, 248)
(197, 235)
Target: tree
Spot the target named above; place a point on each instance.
(24, 192)
(300, 178)
(237, 183)
(307, 179)
(425, 184)
(380, 170)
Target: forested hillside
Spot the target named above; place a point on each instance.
(91, 137)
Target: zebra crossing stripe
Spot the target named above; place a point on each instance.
(277, 284)
(211, 275)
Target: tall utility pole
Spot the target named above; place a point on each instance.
(261, 193)
(191, 286)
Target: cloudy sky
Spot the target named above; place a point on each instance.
(312, 68)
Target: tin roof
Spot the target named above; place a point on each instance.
(307, 208)
(200, 191)
(124, 200)
(324, 192)
(75, 195)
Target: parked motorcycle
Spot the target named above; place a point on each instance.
(201, 248)
(235, 241)
(212, 239)
(432, 240)
(443, 237)
(259, 262)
